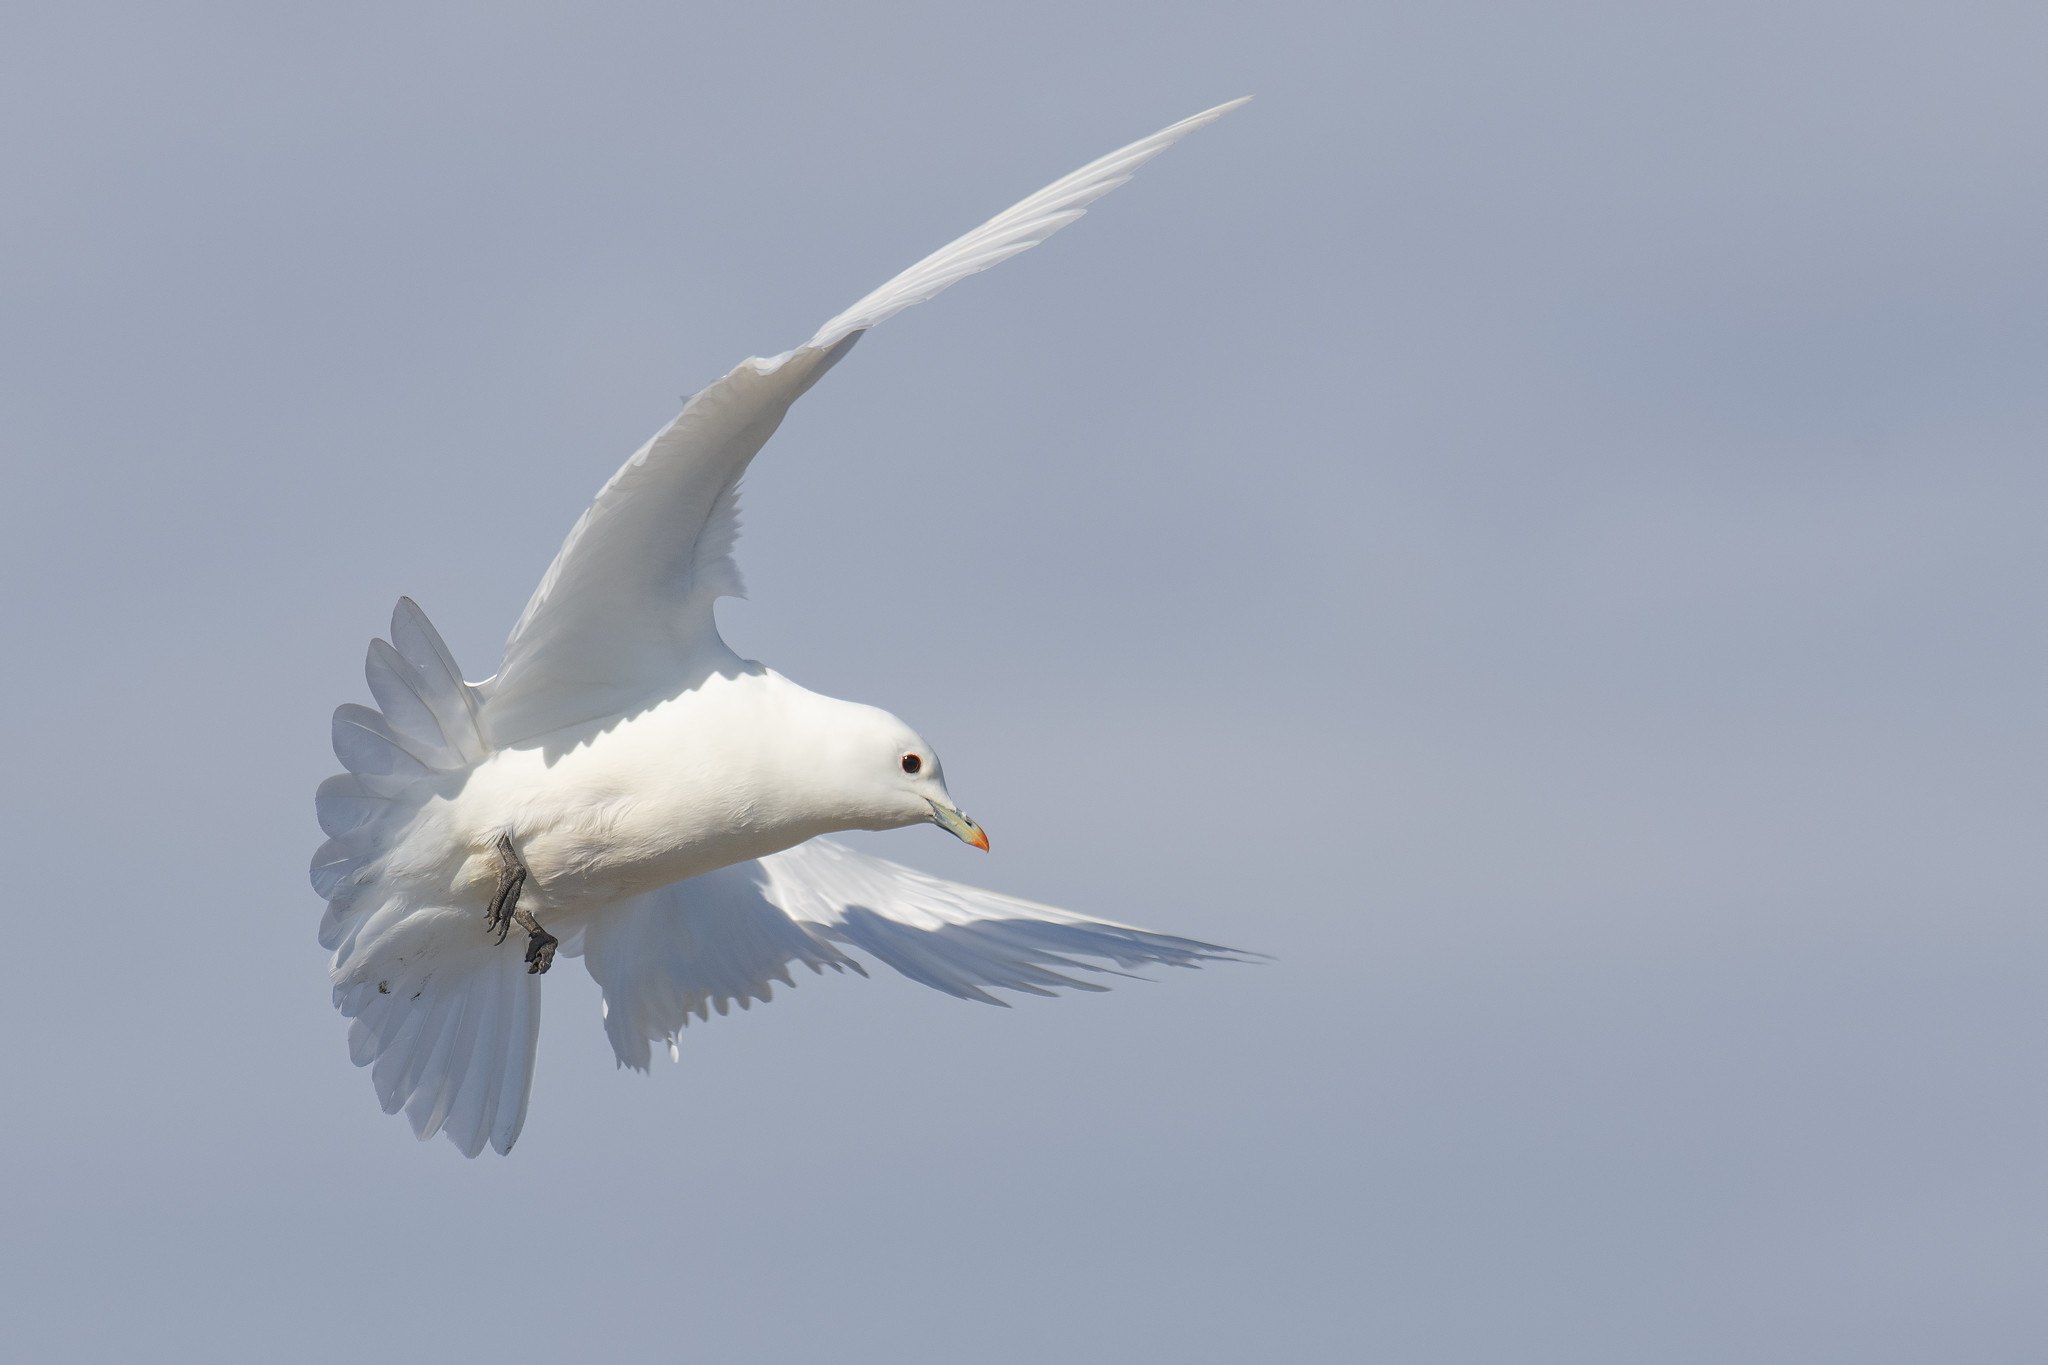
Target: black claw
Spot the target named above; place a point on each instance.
(540, 951)
(511, 877)
(504, 911)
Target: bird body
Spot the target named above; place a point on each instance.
(735, 766)
(629, 790)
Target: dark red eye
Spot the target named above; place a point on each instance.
(911, 763)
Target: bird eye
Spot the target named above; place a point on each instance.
(911, 763)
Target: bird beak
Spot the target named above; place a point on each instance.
(951, 820)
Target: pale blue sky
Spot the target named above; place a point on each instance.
(1536, 522)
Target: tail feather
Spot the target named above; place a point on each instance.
(447, 1021)
(368, 746)
(341, 867)
(408, 711)
(427, 728)
(343, 804)
(455, 703)
(445, 1018)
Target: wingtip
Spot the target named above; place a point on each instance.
(1175, 132)
(1229, 106)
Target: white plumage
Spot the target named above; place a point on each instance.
(665, 798)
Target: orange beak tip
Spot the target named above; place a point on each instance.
(981, 839)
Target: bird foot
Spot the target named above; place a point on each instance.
(504, 911)
(540, 950)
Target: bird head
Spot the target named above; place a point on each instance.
(886, 776)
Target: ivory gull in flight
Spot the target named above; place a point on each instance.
(629, 790)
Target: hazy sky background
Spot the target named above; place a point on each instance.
(1535, 522)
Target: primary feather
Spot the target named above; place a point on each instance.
(724, 938)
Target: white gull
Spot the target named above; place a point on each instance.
(628, 790)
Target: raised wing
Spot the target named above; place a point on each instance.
(1018, 228)
(623, 615)
(723, 939)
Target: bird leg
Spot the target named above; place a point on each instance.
(505, 910)
(511, 877)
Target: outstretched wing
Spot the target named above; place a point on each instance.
(724, 938)
(691, 947)
(624, 612)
